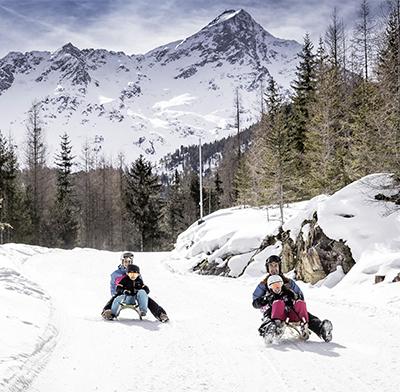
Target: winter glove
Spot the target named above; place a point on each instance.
(262, 301)
(127, 292)
(119, 290)
(288, 301)
(146, 289)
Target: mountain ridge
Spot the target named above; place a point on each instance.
(151, 103)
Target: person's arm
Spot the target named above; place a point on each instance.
(293, 286)
(122, 285)
(112, 283)
(258, 295)
(139, 284)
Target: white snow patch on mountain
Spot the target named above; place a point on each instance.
(104, 100)
(183, 99)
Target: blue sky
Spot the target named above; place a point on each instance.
(136, 26)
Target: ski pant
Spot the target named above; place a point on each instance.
(314, 324)
(153, 306)
(297, 313)
(140, 297)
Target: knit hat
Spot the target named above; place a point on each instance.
(133, 268)
(274, 279)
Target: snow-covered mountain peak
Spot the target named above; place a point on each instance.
(150, 103)
(226, 15)
(68, 49)
(238, 22)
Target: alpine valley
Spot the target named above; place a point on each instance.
(147, 104)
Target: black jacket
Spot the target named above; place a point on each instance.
(287, 295)
(131, 287)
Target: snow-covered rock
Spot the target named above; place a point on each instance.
(358, 228)
(232, 235)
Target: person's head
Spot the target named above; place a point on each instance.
(273, 264)
(133, 271)
(275, 283)
(126, 259)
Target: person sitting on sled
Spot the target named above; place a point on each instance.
(127, 258)
(273, 266)
(282, 304)
(131, 290)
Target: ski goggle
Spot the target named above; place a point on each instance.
(127, 259)
(276, 285)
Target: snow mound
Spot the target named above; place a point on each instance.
(369, 227)
(230, 236)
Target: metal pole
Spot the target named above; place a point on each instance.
(201, 182)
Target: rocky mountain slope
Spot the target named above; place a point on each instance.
(151, 103)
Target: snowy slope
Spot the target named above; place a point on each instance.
(370, 228)
(211, 343)
(152, 103)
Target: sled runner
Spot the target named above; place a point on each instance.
(135, 307)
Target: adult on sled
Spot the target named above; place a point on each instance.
(127, 258)
(273, 266)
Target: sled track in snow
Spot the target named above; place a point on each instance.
(25, 367)
(30, 365)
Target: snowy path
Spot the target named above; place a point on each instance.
(211, 343)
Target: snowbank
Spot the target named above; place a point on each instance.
(370, 228)
(230, 236)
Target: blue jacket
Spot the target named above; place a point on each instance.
(119, 272)
(262, 289)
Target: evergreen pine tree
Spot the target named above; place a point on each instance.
(143, 202)
(175, 220)
(218, 192)
(388, 72)
(64, 212)
(14, 203)
(302, 101)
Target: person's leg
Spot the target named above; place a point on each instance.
(116, 305)
(314, 323)
(321, 328)
(109, 303)
(155, 308)
(142, 300)
(278, 310)
(299, 311)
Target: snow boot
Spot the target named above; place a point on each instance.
(107, 315)
(162, 317)
(304, 331)
(326, 330)
(142, 313)
(274, 331)
(264, 326)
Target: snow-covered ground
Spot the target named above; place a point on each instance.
(53, 338)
